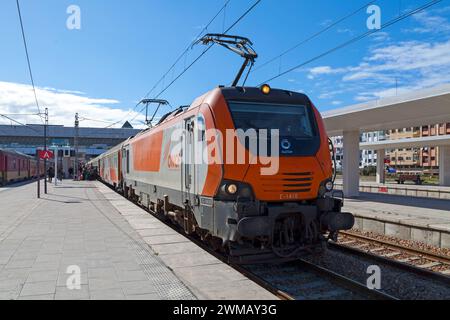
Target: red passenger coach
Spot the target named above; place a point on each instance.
(34, 172)
(15, 166)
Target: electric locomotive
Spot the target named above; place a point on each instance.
(275, 205)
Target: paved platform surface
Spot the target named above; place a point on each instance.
(75, 225)
(422, 191)
(411, 218)
(206, 276)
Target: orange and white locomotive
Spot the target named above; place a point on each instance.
(214, 169)
(234, 205)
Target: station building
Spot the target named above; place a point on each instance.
(426, 158)
(92, 142)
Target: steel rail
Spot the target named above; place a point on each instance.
(436, 257)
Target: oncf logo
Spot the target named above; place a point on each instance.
(286, 144)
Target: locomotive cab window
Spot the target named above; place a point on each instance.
(296, 124)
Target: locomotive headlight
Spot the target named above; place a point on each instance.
(329, 186)
(232, 189)
(265, 88)
(325, 187)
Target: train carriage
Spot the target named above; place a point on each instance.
(14, 166)
(109, 166)
(36, 168)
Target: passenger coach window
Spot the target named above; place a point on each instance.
(128, 161)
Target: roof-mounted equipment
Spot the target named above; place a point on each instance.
(147, 102)
(240, 45)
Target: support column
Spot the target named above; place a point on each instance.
(444, 166)
(381, 171)
(351, 163)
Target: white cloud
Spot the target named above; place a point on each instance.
(345, 31)
(411, 55)
(62, 104)
(324, 70)
(326, 23)
(412, 65)
(363, 98)
(431, 22)
(391, 70)
(394, 68)
(380, 36)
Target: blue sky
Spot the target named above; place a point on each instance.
(123, 48)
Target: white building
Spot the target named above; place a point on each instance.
(368, 158)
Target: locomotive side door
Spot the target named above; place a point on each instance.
(188, 164)
(125, 165)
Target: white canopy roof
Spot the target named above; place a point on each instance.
(424, 107)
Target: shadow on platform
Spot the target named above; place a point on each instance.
(426, 203)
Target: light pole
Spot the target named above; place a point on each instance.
(56, 166)
(77, 125)
(45, 149)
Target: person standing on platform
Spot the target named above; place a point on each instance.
(51, 174)
(60, 174)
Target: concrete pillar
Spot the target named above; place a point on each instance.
(444, 166)
(381, 171)
(351, 163)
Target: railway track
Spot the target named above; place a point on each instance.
(399, 279)
(415, 257)
(298, 280)
(302, 280)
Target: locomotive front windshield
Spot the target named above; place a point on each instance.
(296, 124)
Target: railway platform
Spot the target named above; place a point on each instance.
(83, 241)
(424, 220)
(410, 190)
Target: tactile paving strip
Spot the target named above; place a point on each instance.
(167, 285)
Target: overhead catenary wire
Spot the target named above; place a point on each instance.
(188, 48)
(209, 47)
(94, 120)
(202, 54)
(18, 122)
(315, 35)
(20, 114)
(172, 67)
(28, 59)
(356, 39)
